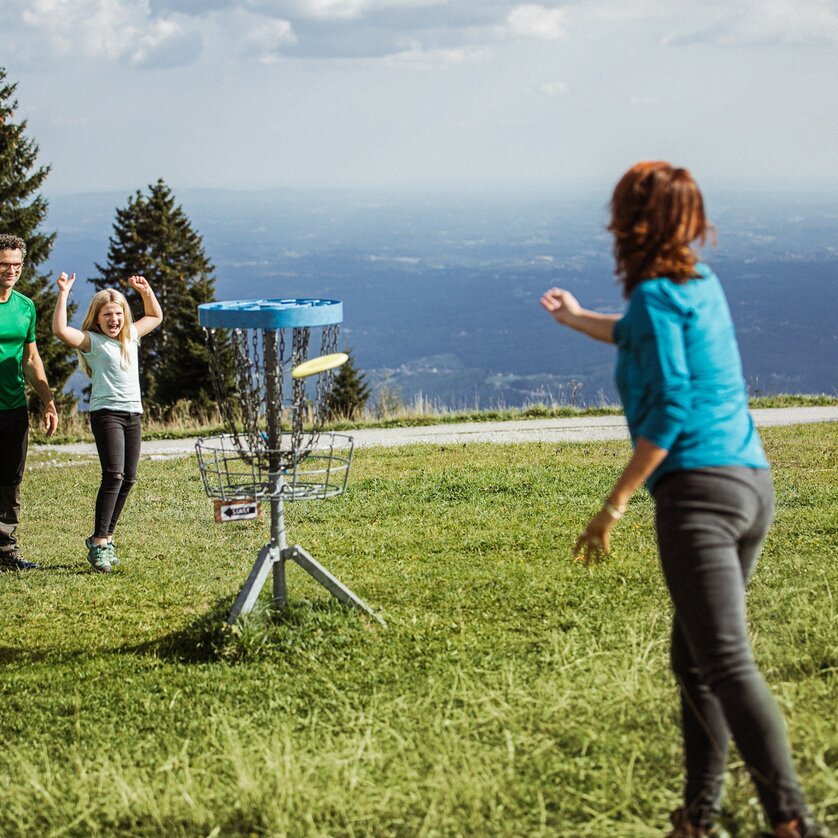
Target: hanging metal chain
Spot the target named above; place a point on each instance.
(219, 377)
(299, 407)
(243, 398)
(280, 372)
(325, 381)
(248, 390)
(329, 339)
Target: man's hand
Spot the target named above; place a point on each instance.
(50, 419)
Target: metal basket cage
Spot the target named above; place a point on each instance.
(229, 473)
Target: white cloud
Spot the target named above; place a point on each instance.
(427, 33)
(165, 44)
(554, 88)
(646, 101)
(416, 57)
(111, 30)
(540, 22)
(334, 9)
(720, 22)
(628, 10)
(781, 21)
(419, 33)
(755, 22)
(269, 37)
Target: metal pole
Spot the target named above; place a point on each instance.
(273, 401)
(273, 409)
(279, 545)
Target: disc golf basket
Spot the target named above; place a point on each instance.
(274, 407)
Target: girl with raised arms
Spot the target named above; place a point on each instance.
(107, 346)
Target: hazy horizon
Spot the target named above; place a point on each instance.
(440, 292)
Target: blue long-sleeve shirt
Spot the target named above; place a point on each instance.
(680, 379)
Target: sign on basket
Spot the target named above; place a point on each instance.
(237, 510)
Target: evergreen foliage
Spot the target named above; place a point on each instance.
(22, 212)
(154, 238)
(349, 392)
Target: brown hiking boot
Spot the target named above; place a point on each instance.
(682, 828)
(799, 828)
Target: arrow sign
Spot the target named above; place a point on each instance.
(247, 509)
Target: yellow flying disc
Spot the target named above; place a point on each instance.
(319, 364)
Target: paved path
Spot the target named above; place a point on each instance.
(580, 429)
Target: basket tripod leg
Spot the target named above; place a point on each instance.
(248, 595)
(280, 588)
(331, 583)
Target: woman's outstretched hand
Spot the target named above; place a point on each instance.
(561, 305)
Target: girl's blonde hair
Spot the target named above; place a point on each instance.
(91, 323)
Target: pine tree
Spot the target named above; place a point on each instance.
(154, 238)
(22, 211)
(349, 392)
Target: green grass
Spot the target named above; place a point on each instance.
(513, 693)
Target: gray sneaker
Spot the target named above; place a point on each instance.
(112, 555)
(98, 556)
(113, 558)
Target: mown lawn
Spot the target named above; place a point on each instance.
(513, 693)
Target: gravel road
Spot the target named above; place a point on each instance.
(581, 429)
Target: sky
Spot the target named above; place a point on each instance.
(461, 94)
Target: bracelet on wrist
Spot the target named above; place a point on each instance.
(616, 512)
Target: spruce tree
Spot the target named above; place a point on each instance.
(349, 393)
(154, 238)
(22, 211)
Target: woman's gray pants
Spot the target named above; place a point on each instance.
(711, 524)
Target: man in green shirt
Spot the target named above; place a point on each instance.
(19, 363)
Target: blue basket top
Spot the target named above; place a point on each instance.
(270, 314)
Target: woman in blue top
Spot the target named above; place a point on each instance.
(680, 381)
(107, 344)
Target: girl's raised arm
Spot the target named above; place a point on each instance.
(153, 314)
(67, 334)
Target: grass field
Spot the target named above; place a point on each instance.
(513, 693)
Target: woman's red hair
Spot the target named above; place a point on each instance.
(657, 212)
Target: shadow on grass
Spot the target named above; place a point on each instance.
(305, 628)
(250, 823)
(13, 654)
(66, 569)
(69, 569)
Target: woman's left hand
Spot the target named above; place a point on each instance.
(593, 544)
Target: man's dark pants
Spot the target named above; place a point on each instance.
(14, 441)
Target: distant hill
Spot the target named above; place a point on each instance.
(441, 292)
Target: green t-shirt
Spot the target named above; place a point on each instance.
(17, 327)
